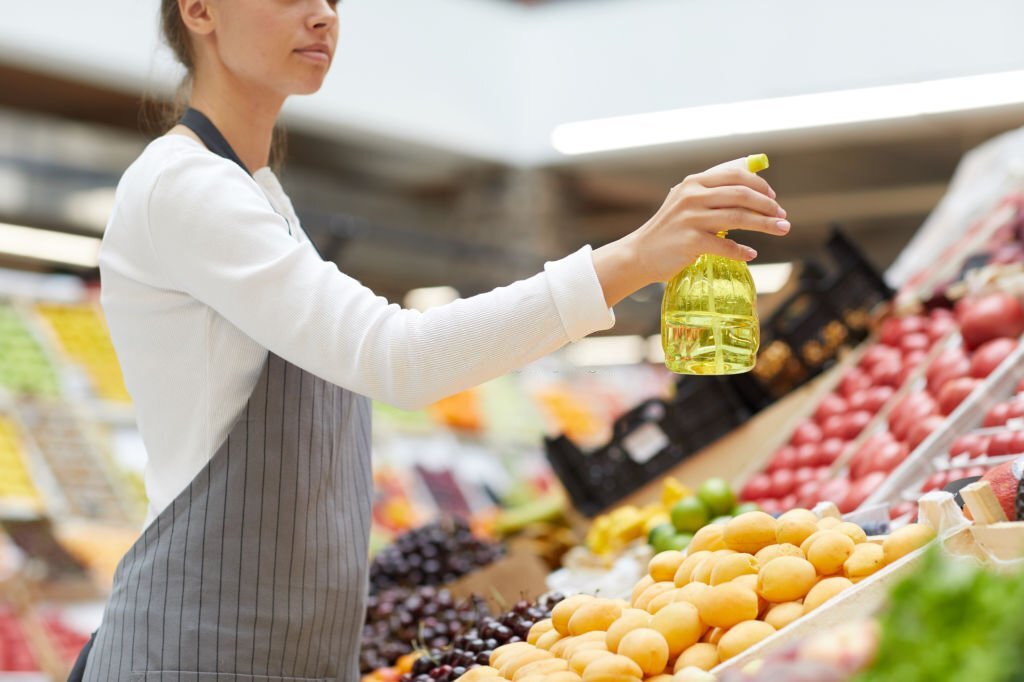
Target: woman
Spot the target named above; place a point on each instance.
(248, 358)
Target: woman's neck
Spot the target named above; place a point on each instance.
(244, 115)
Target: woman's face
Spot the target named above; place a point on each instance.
(286, 46)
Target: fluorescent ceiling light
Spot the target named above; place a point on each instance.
(430, 297)
(770, 277)
(607, 350)
(49, 246)
(789, 113)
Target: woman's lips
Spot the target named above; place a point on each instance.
(318, 56)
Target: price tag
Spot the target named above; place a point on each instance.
(644, 443)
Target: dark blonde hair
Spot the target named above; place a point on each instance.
(176, 35)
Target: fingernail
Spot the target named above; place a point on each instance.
(783, 226)
(782, 212)
(772, 193)
(749, 253)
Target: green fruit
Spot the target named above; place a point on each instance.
(718, 496)
(678, 542)
(721, 519)
(659, 534)
(746, 507)
(689, 515)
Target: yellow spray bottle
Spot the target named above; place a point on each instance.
(709, 313)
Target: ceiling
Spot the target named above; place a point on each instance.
(403, 215)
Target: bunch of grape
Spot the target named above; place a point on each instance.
(474, 648)
(434, 554)
(399, 620)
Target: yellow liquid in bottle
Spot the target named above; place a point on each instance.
(709, 319)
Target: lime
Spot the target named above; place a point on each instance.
(678, 542)
(689, 515)
(746, 507)
(659, 534)
(717, 495)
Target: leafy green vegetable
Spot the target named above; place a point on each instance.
(951, 621)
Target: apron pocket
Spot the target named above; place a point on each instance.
(182, 676)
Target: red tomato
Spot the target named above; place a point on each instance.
(807, 455)
(807, 494)
(834, 427)
(934, 482)
(1018, 441)
(860, 464)
(872, 399)
(804, 474)
(912, 409)
(887, 457)
(955, 392)
(855, 380)
(973, 445)
(830, 405)
(902, 509)
(914, 324)
(922, 429)
(1020, 387)
(915, 342)
(834, 490)
(824, 473)
(997, 415)
(783, 483)
(855, 423)
(1016, 410)
(829, 451)
(877, 353)
(990, 355)
(1002, 443)
(940, 326)
(988, 317)
(885, 373)
(788, 502)
(784, 458)
(891, 331)
(974, 471)
(806, 432)
(758, 486)
(769, 505)
(949, 364)
(860, 491)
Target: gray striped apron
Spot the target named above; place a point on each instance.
(257, 570)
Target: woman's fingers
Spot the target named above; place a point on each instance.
(727, 248)
(738, 196)
(724, 175)
(716, 220)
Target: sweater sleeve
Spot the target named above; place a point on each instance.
(219, 241)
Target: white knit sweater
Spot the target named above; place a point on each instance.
(200, 278)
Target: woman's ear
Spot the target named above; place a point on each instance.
(197, 15)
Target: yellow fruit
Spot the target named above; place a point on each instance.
(830, 551)
(590, 640)
(672, 491)
(795, 530)
(559, 647)
(581, 659)
(775, 551)
(786, 579)
(663, 566)
(693, 593)
(853, 531)
(644, 600)
(750, 532)
(702, 573)
(484, 672)
(664, 677)
(664, 599)
(703, 656)
(595, 615)
(564, 609)
(906, 540)
(743, 636)
(682, 576)
(781, 615)
(613, 668)
(515, 661)
(631, 619)
(823, 591)
(749, 582)
(733, 566)
(725, 605)
(680, 625)
(549, 639)
(805, 546)
(562, 676)
(641, 585)
(545, 668)
(647, 648)
(799, 514)
(867, 558)
(538, 629)
(498, 655)
(828, 523)
(711, 538)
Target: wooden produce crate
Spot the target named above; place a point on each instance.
(520, 574)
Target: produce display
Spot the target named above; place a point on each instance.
(83, 335)
(24, 367)
(399, 621)
(16, 484)
(434, 554)
(610, 533)
(66, 641)
(15, 652)
(738, 583)
(714, 502)
(475, 647)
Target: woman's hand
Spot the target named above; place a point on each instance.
(726, 197)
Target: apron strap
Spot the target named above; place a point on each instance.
(198, 123)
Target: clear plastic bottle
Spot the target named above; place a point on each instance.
(709, 319)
